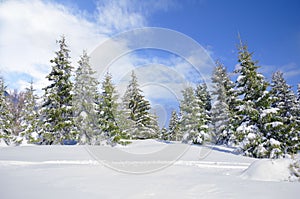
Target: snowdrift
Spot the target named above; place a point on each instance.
(270, 170)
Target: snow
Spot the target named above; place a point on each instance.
(240, 78)
(251, 136)
(269, 111)
(269, 170)
(182, 171)
(274, 142)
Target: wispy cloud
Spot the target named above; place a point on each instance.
(29, 30)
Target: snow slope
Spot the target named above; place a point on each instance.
(86, 172)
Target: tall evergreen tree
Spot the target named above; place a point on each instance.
(5, 125)
(223, 113)
(285, 101)
(30, 117)
(203, 101)
(138, 110)
(108, 111)
(85, 101)
(251, 87)
(57, 108)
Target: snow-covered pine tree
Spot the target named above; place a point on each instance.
(203, 101)
(85, 101)
(251, 86)
(284, 100)
(30, 121)
(16, 106)
(108, 110)
(175, 134)
(137, 109)
(188, 124)
(165, 134)
(57, 110)
(194, 117)
(223, 112)
(298, 93)
(5, 125)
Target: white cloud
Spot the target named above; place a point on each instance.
(29, 30)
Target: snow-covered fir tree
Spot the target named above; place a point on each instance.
(137, 109)
(223, 113)
(85, 101)
(108, 111)
(57, 110)
(174, 131)
(16, 107)
(30, 122)
(203, 101)
(298, 93)
(194, 115)
(285, 102)
(251, 86)
(164, 134)
(5, 125)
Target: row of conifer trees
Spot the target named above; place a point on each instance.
(262, 118)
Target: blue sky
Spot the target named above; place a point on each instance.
(29, 30)
(271, 28)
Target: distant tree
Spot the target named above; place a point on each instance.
(174, 131)
(57, 110)
(165, 134)
(5, 125)
(137, 109)
(223, 112)
(15, 106)
(30, 121)
(194, 115)
(85, 101)
(298, 93)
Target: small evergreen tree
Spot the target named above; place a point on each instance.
(165, 135)
(194, 115)
(175, 134)
(30, 117)
(57, 110)
(85, 101)
(16, 107)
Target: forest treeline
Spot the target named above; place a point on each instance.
(260, 118)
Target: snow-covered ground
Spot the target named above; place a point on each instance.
(143, 169)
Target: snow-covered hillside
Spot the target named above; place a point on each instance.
(91, 172)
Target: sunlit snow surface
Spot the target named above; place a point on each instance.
(75, 172)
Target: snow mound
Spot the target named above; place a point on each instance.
(2, 143)
(269, 170)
